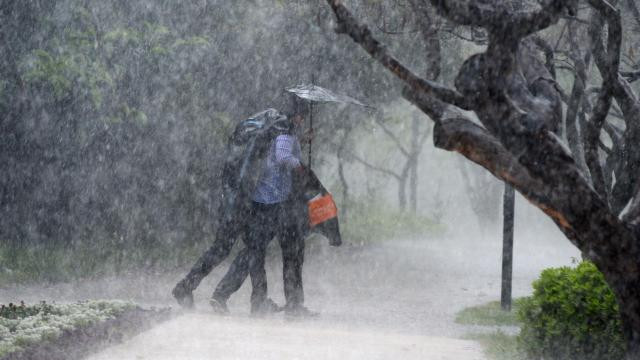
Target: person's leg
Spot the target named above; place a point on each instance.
(257, 235)
(257, 241)
(220, 249)
(235, 276)
(292, 245)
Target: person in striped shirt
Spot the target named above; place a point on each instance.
(273, 214)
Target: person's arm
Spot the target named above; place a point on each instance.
(284, 152)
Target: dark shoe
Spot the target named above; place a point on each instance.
(219, 306)
(183, 296)
(267, 307)
(299, 311)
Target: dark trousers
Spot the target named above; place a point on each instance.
(266, 222)
(226, 235)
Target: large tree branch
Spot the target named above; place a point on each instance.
(499, 17)
(362, 35)
(571, 203)
(478, 145)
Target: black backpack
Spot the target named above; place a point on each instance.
(246, 149)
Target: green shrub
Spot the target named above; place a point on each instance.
(572, 314)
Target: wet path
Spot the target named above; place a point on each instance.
(394, 299)
(204, 336)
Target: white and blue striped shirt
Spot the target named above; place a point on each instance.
(274, 184)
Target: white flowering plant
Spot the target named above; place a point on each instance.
(22, 326)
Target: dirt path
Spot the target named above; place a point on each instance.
(395, 299)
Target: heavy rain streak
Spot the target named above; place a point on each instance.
(320, 179)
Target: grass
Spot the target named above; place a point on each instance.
(490, 314)
(497, 344)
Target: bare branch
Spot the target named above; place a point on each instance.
(469, 39)
(478, 145)
(548, 53)
(391, 135)
(574, 103)
(374, 167)
(635, 12)
(362, 35)
(609, 70)
(604, 148)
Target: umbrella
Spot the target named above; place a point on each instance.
(315, 93)
(319, 94)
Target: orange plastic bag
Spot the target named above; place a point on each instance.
(321, 209)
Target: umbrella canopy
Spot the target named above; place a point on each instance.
(319, 94)
(315, 93)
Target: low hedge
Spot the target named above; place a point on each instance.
(572, 315)
(69, 331)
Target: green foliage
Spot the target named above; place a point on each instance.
(490, 314)
(572, 315)
(65, 72)
(372, 220)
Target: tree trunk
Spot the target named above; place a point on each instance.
(343, 181)
(402, 193)
(413, 169)
(629, 308)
